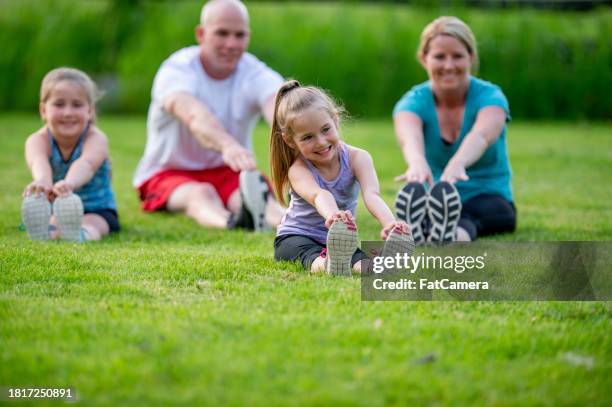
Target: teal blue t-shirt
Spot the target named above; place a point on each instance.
(491, 174)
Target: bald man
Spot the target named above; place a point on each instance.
(206, 99)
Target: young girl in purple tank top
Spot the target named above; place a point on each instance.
(324, 176)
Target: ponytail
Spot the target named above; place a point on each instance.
(281, 155)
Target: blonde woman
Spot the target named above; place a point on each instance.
(452, 132)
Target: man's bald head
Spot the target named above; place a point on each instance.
(213, 8)
(223, 35)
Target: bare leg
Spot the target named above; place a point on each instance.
(274, 212)
(54, 234)
(95, 226)
(200, 202)
(234, 202)
(318, 265)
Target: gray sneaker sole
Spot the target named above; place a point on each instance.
(254, 191)
(35, 213)
(68, 213)
(398, 243)
(341, 245)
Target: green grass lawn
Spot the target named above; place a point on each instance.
(168, 312)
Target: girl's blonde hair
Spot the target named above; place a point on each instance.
(57, 75)
(453, 27)
(291, 100)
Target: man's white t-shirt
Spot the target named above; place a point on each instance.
(236, 102)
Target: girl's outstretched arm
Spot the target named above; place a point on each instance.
(486, 130)
(363, 168)
(37, 152)
(93, 154)
(303, 183)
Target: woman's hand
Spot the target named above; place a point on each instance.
(402, 228)
(454, 172)
(38, 187)
(344, 216)
(417, 172)
(62, 188)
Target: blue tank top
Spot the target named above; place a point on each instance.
(491, 174)
(303, 219)
(97, 193)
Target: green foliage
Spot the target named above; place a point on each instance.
(549, 64)
(170, 313)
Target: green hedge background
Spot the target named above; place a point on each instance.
(550, 64)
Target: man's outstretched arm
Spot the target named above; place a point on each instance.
(267, 110)
(209, 132)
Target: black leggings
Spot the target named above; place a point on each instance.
(304, 249)
(487, 214)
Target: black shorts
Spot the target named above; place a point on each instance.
(110, 216)
(304, 249)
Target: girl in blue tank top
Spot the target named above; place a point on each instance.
(68, 158)
(324, 176)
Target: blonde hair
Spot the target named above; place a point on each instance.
(453, 27)
(79, 77)
(291, 100)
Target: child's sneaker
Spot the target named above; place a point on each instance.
(411, 207)
(444, 207)
(35, 212)
(68, 213)
(341, 245)
(398, 242)
(254, 191)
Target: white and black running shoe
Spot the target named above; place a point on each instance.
(254, 191)
(341, 245)
(444, 208)
(68, 212)
(35, 213)
(241, 220)
(411, 207)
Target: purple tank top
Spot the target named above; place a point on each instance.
(303, 219)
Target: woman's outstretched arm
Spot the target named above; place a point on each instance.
(409, 133)
(486, 130)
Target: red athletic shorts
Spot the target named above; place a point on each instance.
(154, 193)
